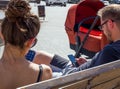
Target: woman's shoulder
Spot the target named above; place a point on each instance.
(47, 72)
(44, 71)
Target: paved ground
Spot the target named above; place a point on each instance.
(52, 37)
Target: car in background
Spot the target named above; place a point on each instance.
(35, 1)
(73, 1)
(106, 3)
(118, 1)
(114, 1)
(3, 4)
(56, 2)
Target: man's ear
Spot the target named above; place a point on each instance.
(110, 23)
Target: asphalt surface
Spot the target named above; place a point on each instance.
(52, 37)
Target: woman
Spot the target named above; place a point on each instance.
(19, 29)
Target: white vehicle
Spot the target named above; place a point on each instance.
(56, 2)
(106, 3)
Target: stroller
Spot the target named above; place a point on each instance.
(87, 40)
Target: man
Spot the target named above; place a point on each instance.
(110, 25)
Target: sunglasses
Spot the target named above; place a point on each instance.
(34, 43)
(101, 26)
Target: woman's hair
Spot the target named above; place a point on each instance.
(19, 24)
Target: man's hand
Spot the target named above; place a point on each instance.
(81, 60)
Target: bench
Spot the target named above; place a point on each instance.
(105, 76)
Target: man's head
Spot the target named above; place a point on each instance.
(110, 21)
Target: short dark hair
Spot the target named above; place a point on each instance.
(110, 12)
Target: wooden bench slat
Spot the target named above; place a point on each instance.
(76, 85)
(108, 85)
(107, 76)
(111, 79)
(118, 87)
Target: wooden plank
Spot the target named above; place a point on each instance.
(76, 85)
(108, 85)
(97, 80)
(91, 72)
(105, 77)
(118, 87)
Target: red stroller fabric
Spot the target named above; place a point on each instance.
(86, 9)
(69, 23)
(78, 13)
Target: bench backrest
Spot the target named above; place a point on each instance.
(105, 76)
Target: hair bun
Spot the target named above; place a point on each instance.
(16, 9)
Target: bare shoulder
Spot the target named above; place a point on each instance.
(47, 72)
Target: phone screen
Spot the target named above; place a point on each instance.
(30, 55)
(72, 59)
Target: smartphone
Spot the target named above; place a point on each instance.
(30, 55)
(72, 59)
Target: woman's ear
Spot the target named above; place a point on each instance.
(29, 42)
